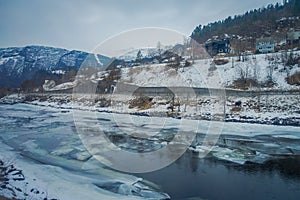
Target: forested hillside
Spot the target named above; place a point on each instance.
(273, 20)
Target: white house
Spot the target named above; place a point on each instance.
(265, 45)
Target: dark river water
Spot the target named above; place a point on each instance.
(193, 178)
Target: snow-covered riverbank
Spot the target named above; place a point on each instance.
(267, 109)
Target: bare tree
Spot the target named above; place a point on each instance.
(193, 45)
(255, 69)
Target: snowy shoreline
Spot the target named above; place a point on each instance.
(28, 178)
(281, 110)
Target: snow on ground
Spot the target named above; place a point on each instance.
(200, 73)
(131, 54)
(65, 86)
(50, 86)
(269, 109)
(13, 98)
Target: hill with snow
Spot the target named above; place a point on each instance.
(131, 54)
(252, 72)
(261, 69)
(21, 63)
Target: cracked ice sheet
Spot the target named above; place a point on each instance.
(51, 116)
(56, 182)
(31, 140)
(250, 130)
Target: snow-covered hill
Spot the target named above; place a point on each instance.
(21, 63)
(146, 52)
(203, 73)
(131, 54)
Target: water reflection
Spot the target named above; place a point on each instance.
(193, 178)
(288, 168)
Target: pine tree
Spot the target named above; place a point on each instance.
(139, 56)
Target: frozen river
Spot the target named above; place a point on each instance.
(247, 161)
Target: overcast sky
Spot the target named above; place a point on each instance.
(75, 24)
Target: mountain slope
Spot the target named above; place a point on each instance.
(18, 64)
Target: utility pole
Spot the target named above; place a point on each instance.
(224, 108)
(173, 103)
(258, 98)
(196, 103)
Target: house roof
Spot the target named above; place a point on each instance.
(218, 41)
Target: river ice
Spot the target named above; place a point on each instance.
(43, 143)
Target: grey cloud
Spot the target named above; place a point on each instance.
(79, 24)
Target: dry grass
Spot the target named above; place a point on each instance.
(142, 103)
(236, 109)
(293, 79)
(221, 61)
(163, 103)
(244, 84)
(146, 106)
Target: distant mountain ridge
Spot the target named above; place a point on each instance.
(18, 64)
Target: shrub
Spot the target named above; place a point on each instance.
(187, 63)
